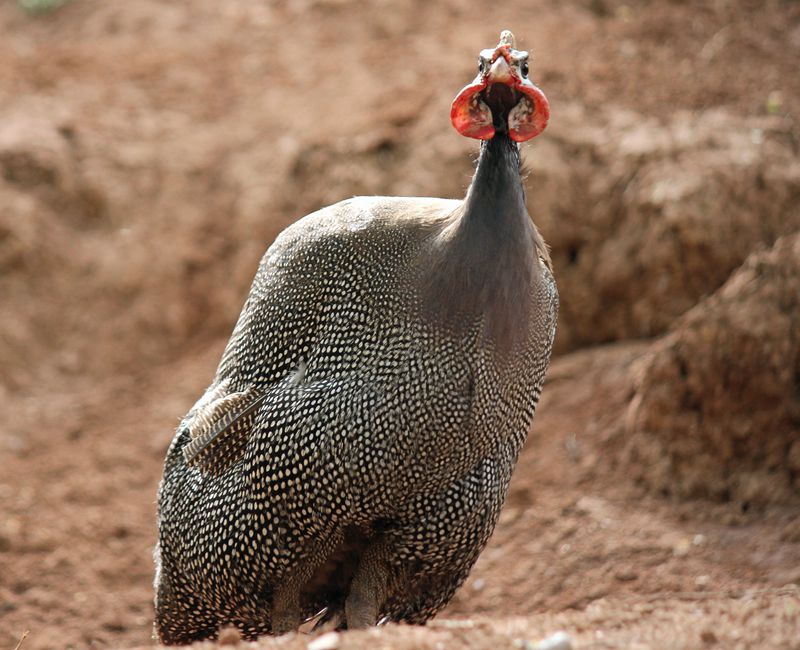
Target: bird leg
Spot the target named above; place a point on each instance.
(369, 588)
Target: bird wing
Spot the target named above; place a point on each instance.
(220, 429)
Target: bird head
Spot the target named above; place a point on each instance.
(501, 98)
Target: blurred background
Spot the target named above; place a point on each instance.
(151, 151)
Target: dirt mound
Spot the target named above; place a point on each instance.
(717, 402)
(645, 217)
(49, 211)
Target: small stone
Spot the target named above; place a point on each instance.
(479, 584)
(557, 641)
(229, 636)
(681, 549)
(626, 575)
(708, 637)
(701, 582)
(573, 448)
(328, 641)
(774, 102)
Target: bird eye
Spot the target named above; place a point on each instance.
(524, 69)
(480, 65)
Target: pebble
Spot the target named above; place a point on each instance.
(682, 548)
(626, 575)
(229, 636)
(328, 641)
(557, 641)
(708, 637)
(701, 582)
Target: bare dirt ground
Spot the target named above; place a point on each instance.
(149, 153)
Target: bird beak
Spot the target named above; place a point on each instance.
(500, 72)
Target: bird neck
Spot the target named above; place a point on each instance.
(496, 196)
(485, 260)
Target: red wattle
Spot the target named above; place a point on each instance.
(469, 115)
(537, 121)
(473, 119)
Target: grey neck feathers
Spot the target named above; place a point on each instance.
(484, 260)
(496, 197)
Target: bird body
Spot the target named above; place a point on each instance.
(356, 444)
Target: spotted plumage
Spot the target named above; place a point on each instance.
(356, 444)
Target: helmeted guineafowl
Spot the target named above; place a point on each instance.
(356, 444)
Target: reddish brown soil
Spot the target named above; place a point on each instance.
(150, 151)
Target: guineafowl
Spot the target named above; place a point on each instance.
(353, 451)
